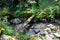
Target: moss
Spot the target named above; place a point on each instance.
(4, 12)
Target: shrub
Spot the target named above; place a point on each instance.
(23, 36)
(8, 30)
(47, 13)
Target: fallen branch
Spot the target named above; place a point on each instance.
(26, 23)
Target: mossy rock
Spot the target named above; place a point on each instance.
(3, 13)
(25, 15)
(1, 31)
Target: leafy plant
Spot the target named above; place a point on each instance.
(8, 30)
(47, 13)
(23, 36)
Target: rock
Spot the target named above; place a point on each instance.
(31, 32)
(42, 33)
(32, 2)
(47, 31)
(57, 35)
(48, 37)
(43, 20)
(38, 27)
(38, 38)
(17, 27)
(6, 37)
(52, 27)
(52, 36)
(16, 21)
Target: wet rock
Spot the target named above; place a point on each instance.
(53, 27)
(50, 25)
(38, 38)
(57, 21)
(57, 35)
(48, 37)
(38, 27)
(42, 33)
(6, 37)
(16, 21)
(17, 27)
(52, 36)
(47, 31)
(32, 2)
(43, 20)
(31, 32)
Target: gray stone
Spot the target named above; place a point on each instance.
(17, 27)
(57, 21)
(42, 33)
(5, 37)
(51, 26)
(48, 37)
(31, 32)
(31, 2)
(47, 31)
(16, 21)
(52, 36)
(57, 35)
(38, 27)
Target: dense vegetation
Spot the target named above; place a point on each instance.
(23, 9)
